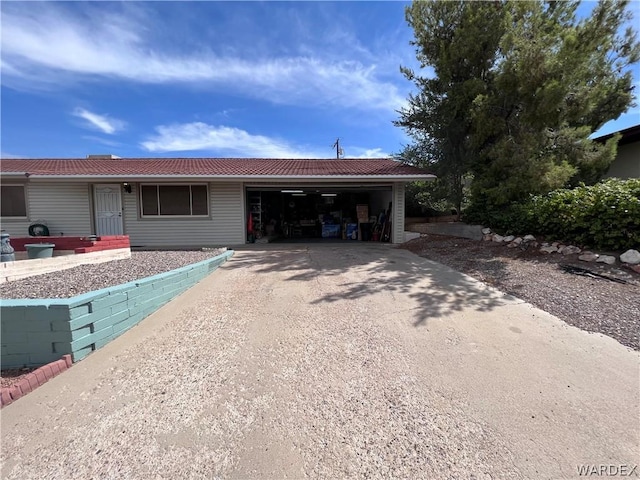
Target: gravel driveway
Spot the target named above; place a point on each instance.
(338, 361)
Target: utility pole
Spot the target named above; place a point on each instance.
(339, 150)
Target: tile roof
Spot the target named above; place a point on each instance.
(211, 167)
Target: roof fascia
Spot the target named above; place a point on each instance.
(240, 178)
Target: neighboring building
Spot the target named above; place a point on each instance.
(193, 202)
(627, 162)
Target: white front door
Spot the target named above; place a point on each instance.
(108, 208)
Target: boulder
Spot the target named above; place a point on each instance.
(570, 250)
(486, 231)
(548, 249)
(529, 238)
(630, 256)
(517, 240)
(487, 237)
(512, 245)
(588, 257)
(509, 238)
(608, 259)
(498, 238)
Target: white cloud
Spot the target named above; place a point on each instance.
(103, 141)
(234, 142)
(356, 152)
(101, 122)
(220, 140)
(50, 47)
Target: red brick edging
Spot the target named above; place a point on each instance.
(33, 380)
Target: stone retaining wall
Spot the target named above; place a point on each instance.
(454, 229)
(36, 332)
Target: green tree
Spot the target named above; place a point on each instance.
(448, 192)
(458, 40)
(516, 90)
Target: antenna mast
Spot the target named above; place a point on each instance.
(339, 150)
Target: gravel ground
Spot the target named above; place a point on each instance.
(14, 375)
(594, 305)
(85, 278)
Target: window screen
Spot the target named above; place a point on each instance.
(13, 201)
(176, 200)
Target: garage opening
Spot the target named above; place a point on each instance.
(318, 212)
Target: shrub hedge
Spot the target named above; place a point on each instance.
(605, 215)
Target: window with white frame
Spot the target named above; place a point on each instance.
(178, 200)
(13, 201)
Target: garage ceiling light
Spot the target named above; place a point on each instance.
(291, 191)
(298, 194)
(329, 194)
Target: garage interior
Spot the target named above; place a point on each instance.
(318, 212)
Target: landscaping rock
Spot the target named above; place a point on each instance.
(517, 240)
(529, 238)
(549, 249)
(498, 238)
(570, 250)
(89, 277)
(630, 256)
(486, 231)
(512, 245)
(588, 257)
(608, 259)
(509, 238)
(487, 237)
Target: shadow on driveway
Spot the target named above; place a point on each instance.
(430, 289)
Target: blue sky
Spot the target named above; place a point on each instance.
(220, 79)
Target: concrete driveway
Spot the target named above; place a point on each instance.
(335, 361)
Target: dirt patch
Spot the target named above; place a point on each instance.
(12, 376)
(592, 304)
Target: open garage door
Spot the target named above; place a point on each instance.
(318, 212)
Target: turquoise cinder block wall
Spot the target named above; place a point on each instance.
(36, 332)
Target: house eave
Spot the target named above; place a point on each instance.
(627, 135)
(240, 178)
(14, 174)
